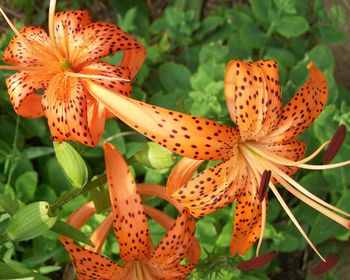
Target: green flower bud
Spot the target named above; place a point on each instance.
(30, 221)
(154, 156)
(73, 165)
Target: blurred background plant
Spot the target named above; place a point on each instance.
(188, 44)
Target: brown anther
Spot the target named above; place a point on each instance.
(335, 144)
(258, 261)
(323, 267)
(264, 183)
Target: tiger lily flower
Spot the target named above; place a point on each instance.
(59, 63)
(262, 146)
(141, 260)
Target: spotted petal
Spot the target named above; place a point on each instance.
(189, 136)
(108, 70)
(214, 188)
(130, 224)
(293, 150)
(300, 112)
(22, 87)
(247, 220)
(253, 96)
(88, 264)
(65, 106)
(32, 50)
(66, 26)
(165, 262)
(96, 40)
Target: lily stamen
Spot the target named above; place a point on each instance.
(335, 144)
(88, 76)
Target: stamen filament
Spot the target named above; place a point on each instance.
(260, 166)
(52, 8)
(88, 76)
(299, 187)
(263, 224)
(294, 220)
(283, 161)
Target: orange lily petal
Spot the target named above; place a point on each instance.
(108, 70)
(130, 224)
(88, 264)
(65, 105)
(293, 150)
(177, 244)
(247, 220)
(159, 191)
(253, 96)
(213, 188)
(98, 39)
(96, 119)
(189, 136)
(66, 26)
(100, 234)
(21, 88)
(299, 113)
(181, 173)
(38, 54)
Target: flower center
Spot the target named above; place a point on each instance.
(65, 65)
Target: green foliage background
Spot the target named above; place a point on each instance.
(188, 47)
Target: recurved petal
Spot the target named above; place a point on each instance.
(300, 112)
(247, 220)
(293, 150)
(189, 136)
(66, 26)
(213, 188)
(22, 87)
(130, 224)
(33, 50)
(96, 119)
(99, 39)
(253, 96)
(65, 106)
(88, 264)
(182, 172)
(108, 70)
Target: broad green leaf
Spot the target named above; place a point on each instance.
(9, 204)
(174, 76)
(282, 56)
(324, 228)
(322, 56)
(225, 236)
(26, 185)
(71, 163)
(206, 233)
(101, 200)
(261, 9)
(114, 135)
(69, 231)
(292, 26)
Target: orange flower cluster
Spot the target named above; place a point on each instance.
(80, 91)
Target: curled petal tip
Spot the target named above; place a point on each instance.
(335, 144)
(258, 261)
(327, 265)
(310, 65)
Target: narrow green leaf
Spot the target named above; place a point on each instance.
(69, 231)
(101, 199)
(35, 152)
(15, 271)
(72, 164)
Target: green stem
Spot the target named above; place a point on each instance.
(68, 196)
(14, 147)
